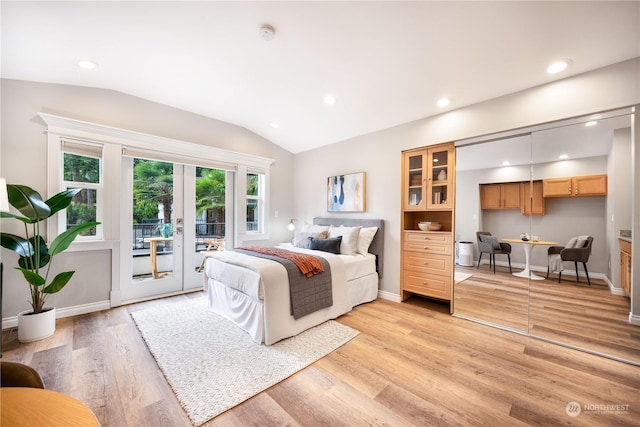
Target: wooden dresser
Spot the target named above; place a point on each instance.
(428, 194)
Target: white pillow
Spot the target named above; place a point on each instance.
(571, 243)
(301, 239)
(581, 241)
(365, 238)
(311, 228)
(349, 244)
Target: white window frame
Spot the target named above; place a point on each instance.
(118, 141)
(260, 199)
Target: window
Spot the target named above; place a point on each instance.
(82, 168)
(255, 202)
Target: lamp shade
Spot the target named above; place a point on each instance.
(4, 198)
(291, 225)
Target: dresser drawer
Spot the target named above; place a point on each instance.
(425, 242)
(427, 246)
(430, 285)
(423, 263)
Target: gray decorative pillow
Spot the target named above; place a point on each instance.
(495, 243)
(326, 245)
(301, 239)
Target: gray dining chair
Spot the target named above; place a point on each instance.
(575, 254)
(492, 246)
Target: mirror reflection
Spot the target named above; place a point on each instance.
(566, 190)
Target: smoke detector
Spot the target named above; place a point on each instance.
(267, 32)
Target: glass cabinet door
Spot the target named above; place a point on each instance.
(439, 181)
(415, 180)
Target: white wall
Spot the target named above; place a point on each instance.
(378, 154)
(299, 181)
(23, 160)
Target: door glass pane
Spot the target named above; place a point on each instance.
(440, 172)
(152, 219)
(210, 211)
(415, 180)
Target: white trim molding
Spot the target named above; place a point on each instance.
(12, 321)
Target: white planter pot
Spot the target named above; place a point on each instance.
(34, 327)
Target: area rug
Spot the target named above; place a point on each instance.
(460, 276)
(212, 365)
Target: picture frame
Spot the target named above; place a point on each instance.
(346, 193)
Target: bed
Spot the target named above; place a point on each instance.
(253, 292)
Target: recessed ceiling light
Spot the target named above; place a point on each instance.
(329, 99)
(506, 163)
(86, 64)
(443, 102)
(558, 66)
(591, 123)
(563, 156)
(275, 125)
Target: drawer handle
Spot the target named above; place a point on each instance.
(425, 247)
(425, 263)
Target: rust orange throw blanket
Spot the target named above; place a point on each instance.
(308, 264)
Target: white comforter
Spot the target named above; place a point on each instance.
(254, 293)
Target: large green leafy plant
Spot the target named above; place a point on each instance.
(35, 257)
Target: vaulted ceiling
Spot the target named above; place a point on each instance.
(385, 63)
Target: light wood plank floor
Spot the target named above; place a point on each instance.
(571, 312)
(412, 364)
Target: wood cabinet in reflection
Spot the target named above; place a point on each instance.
(625, 266)
(576, 186)
(500, 196)
(532, 199)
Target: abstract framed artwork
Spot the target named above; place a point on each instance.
(346, 193)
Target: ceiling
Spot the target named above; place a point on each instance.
(545, 143)
(386, 63)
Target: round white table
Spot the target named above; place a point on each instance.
(528, 247)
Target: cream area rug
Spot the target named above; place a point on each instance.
(460, 276)
(212, 365)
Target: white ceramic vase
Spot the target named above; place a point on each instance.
(34, 327)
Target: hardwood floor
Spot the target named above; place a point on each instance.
(412, 364)
(574, 313)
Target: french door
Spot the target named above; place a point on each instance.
(174, 213)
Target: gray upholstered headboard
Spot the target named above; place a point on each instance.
(377, 245)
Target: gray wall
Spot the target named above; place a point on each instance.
(619, 208)
(23, 160)
(563, 218)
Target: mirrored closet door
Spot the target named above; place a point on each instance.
(573, 179)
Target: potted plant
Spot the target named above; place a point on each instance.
(35, 257)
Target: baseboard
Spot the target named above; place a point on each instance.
(543, 270)
(634, 319)
(389, 296)
(12, 321)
